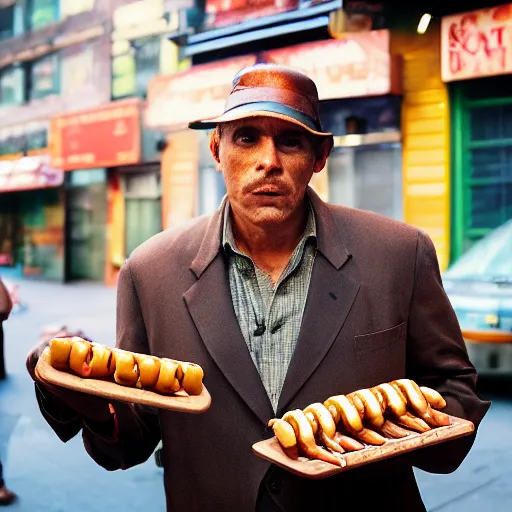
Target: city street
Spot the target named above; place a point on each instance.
(51, 476)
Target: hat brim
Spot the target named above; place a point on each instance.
(242, 113)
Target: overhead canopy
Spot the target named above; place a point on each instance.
(270, 23)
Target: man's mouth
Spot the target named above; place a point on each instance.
(267, 191)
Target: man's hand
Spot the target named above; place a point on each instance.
(89, 407)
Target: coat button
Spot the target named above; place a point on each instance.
(275, 485)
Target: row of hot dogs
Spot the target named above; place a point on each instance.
(343, 423)
(92, 360)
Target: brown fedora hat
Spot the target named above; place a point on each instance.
(270, 90)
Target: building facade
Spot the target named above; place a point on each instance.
(54, 57)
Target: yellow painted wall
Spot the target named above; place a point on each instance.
(426, 137)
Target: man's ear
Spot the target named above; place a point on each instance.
(215, 146)
(323, 152)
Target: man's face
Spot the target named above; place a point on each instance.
(267, 164)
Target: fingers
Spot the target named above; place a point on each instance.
(306, 439)
(433, 397)
(372, 416)
(323, 417)
(394, 431)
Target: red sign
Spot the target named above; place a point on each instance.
(197, 93)
(104, 137)
(477, 44)
(220, 13)
(355, 65)
(30, 172)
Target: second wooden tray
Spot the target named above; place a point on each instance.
(271, 450)
(110, 390)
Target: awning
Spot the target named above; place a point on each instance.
(29, 173)
(257, 35)
(264, 27)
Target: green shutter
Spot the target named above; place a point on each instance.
(482, 165)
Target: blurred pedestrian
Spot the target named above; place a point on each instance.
(6, 496)
(5, 311)
(284, 300)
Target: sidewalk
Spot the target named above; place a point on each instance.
(48, 475)
(51, 476)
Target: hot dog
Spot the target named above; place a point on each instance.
(342, 423)
(93, 360)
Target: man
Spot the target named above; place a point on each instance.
(6, 496)
(284, 301)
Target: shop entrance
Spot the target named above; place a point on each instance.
(86, 225)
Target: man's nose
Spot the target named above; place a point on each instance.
(268, 156)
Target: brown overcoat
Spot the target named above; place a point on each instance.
(376, 311)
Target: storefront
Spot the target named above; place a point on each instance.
(357, 81)
(31, 218)
(31, 204)
(91, 146)
(477, 66)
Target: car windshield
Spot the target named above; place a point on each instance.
(489, 259)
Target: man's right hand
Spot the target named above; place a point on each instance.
(89, 407)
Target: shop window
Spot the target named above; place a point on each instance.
(7, 22)
(482, 159)
(41, 13)
(142, 192)
(123, 74)
(12, 86)
(45, 77)
(134, 65)
(368, 178)
(147, 62)
(487, 179)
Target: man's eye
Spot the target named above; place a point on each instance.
(291, 142)
(245, 138)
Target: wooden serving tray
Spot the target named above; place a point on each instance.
(271, 450)
(181, 401)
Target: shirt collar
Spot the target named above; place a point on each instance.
(228, 239)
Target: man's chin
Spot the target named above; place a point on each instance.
(266, 215)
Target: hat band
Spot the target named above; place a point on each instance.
(271, 106)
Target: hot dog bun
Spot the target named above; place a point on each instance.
(60, 349)
(93, 360)
(102, 362)
(80, 356)
(127, 370)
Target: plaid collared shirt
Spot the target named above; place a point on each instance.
(270, 316)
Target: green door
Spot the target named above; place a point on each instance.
(482, 160)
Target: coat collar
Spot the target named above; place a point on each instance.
(330, 243)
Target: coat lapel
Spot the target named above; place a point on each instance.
(332, 291)
(209, 303)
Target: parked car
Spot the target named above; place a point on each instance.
(479, 285)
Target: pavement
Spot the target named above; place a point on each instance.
(50, 476)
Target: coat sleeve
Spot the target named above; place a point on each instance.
(137, 431)
(437, 357)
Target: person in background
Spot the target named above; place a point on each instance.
(284, 300)
(6, 496)
(5, 311)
